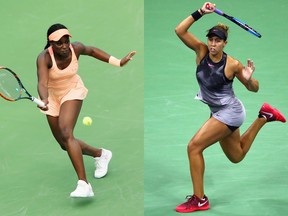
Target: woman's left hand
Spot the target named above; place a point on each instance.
(127, 58)
(248, 70)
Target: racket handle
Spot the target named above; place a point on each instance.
(215, 10)
(39, 102)
(218, 11)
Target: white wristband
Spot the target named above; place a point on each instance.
(114, 61)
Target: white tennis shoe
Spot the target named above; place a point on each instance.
(101, 163)
(82, 190)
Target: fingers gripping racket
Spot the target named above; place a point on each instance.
(236, 21)
(12, 89)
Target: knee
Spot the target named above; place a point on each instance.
(236, 160)
(60, 142)
(63, 147)
(194, 147)
(66, 135)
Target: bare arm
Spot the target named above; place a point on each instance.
(244, 75)
(81, 49)
(42, 74)
(188, 38)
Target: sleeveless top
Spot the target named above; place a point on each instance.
(62, 81)
(215, 88)
(63, 85)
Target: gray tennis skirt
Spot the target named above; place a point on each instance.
(232, 114)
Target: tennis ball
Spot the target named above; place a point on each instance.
(87, 121)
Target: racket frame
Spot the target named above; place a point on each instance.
(22, 89)
(236, 21)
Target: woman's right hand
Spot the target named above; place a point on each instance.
(45, 101)
(208, 7)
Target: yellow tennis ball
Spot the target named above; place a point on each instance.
(87, 121)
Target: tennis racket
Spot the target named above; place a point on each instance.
(236, 21)
(12, 89)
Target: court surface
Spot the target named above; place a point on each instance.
(36, 175)
(258, 185)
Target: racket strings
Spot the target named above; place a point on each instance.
(9, 85)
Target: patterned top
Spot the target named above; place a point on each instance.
(215, 88)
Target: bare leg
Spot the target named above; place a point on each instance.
(62, 129)
(86, 149)
(211, 132)
(236, 147)
(89, 150)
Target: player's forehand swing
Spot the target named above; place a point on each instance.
(215, 73)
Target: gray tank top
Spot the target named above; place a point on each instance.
(215, 88)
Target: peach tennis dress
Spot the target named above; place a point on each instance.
(63, 85)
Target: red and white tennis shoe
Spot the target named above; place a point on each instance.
(271, 114)
(193, 203)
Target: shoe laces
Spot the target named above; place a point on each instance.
(100, 162)
(191, 200)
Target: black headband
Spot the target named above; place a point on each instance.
(217, 32)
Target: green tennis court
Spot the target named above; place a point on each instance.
(258, 185)
(36, 175)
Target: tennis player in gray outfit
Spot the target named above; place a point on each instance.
(215, 73)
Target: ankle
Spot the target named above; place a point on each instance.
(83, 179)
(199, 196)
(98, 153)
(262, 116)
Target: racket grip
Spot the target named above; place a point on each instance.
(39, 102)
(218, 11)
(215, 10)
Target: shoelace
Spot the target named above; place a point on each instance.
(191, 200)
(98, 164)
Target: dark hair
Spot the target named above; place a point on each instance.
(52, 29)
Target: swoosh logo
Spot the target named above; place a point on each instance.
(202, 204)
(269, 114)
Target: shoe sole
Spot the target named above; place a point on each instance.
(198, 209)
(89, 196)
